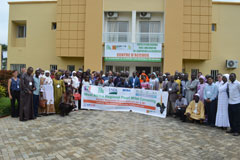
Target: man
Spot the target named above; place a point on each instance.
(109, 83)
(36, 92)
(183, 83)
(191, 88)
(178, 81)
(23, 70)
(172, 88)
(134, 81)
(195, 110)
(26, 96)
(180, 107)
(234, 105)
(210, 98)
(122, 83)
(117, 79)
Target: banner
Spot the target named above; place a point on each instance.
(147, 102)
(150, 52)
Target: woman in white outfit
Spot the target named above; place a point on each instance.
(75, 86)
(222, 119)
(48, 94)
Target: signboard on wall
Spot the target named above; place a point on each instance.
(134, 52)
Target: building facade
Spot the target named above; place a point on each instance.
(126, 35)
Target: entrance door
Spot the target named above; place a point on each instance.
(146, 69)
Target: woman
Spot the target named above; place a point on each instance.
(59, 90)
(14, 93)
(67, 81)
(47, 89)
(75, 87)
(222, 119)
(200, 88)
(144, 83)
(86, 81)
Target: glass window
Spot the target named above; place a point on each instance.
(109, 68)
(214, 27)
(149, 31)
(194, 72)
(214, 74)
(54, 26)
(17, 67)
(117, 31)
(53, 67)
(155, 69)
(122, 68)
(71, 68)
(21, 33)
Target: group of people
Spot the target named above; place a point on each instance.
(198, 99)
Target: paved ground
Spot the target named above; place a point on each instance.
(113, 135)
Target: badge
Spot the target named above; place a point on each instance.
(58, 86)
(30, 83)
(69, 83)
(17, 86)
(170, 89)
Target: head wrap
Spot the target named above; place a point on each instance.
(202, 77)
(227, 76)
(197, 95)
(46, 72)
(154, 74)
(74, 72)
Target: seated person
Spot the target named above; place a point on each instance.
(180, 107)
(195, 110)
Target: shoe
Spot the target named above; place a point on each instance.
(229, 131)
(235, 134)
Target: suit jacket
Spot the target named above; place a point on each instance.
(136, 83)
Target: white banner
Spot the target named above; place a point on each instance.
(147, 102)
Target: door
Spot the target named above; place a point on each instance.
(146, 69)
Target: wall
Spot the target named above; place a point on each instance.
(40, 49)
(225, 41)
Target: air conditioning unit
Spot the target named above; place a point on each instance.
(112, 15)
(145, 15)
(231, 64)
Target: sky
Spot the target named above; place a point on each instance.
(4, 12)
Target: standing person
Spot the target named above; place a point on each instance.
(67, 81)
(210, 97)
(178, 81)
(144, 83)
(191, 88)
(222, 119)
(134, 81)
(109, 83)
(172, 88)
(52, 74)
(122, 83)
(23, 70)
(234, 105)
(26, 96)
(14, 93)
(183, 84)
(200, 88)
(86, 81)
(144, 74)
(154, 83)
(219, 81)
(59, 90)
(160, 83)
(117, 79)
(36, 92)
(48, 93)
(75, 86)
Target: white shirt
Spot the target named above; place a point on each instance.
(75, 82)
(234, 92)
(218, 83)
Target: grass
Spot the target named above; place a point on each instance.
(5, 106)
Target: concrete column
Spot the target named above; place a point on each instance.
(134, 19)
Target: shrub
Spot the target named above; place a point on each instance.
(5, 106)
(4, 77)
(2, 91)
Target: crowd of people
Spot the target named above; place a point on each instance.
(198, 99)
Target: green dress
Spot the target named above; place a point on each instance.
(59, 90)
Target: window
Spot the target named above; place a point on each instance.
(21, 31)
(121, 68)
(17, 67)
(53, 67)
(71, 68)
(149, 31)
(109, 68)
(214, 27)
(155, 69)
(214, 74)
(54, 26)
(117, 31)
(194, 72)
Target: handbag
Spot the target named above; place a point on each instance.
(77, 96)
(42, 103)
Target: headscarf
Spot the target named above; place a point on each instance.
(197, 95)
(46, 72)
(227, 76)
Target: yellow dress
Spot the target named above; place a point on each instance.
(178, 81)
(196, 111)
(59, 90)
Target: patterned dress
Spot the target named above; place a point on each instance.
(59, 90)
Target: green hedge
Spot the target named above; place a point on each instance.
(5, 106)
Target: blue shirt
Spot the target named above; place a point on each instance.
(15, 85)
(37, 85)
(210, 92)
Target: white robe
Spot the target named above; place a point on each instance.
(222, 119)
(47, 88)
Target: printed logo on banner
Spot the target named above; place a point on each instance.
(126, 90)
(161, 107)
(113, 91)
(100, 90)
(87, 88)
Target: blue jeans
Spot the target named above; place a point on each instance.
(35, 104)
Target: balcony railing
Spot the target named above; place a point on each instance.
(150, 37)
(117, 37)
